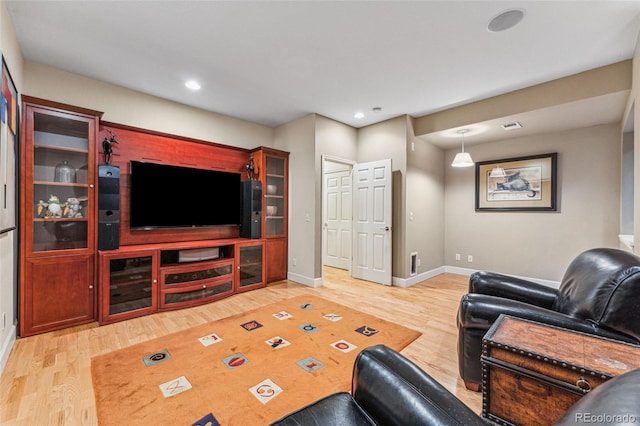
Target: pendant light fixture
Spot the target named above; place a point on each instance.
(462, 159)
(497, 172)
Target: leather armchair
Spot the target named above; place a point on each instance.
(388, 389)
(599, 294)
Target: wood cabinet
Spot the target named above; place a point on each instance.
(57, 292)
(58, 215)
(249, 266)
(144, 279)
(272, 169)
(275, 259)
(128, 284)
(533, 373)
(194, 283)
(66, 281)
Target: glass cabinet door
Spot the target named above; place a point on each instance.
(131, 284)
(249, 260)
(60, 198)
(128, 285)
(275, 197)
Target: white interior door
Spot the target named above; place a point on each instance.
(338, 219)
(372, 208)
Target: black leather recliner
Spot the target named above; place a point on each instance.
(388, 389)
(599, 294)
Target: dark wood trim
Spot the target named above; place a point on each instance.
(60, 105)
(168, 135)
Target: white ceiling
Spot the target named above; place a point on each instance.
(272, 62)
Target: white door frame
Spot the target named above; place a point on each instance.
(324, 160)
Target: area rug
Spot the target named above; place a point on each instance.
(247, 369)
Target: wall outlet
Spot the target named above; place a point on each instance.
(295, 261)
(469, 258)
(457, 256)
(4, 320)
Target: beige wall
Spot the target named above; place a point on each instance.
(538, 244)
(339, 141)
(136, 109)
(424, 214)
(336, 139)
(9, 240)
(388, 139)
(298, 138)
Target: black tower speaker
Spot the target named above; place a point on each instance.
(108, 207)
(251, 209)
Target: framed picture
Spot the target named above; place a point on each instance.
(517, 184)
(9, 124)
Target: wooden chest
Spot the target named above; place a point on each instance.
(533, 373)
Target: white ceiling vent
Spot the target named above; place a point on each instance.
(512, 125)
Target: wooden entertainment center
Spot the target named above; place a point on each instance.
(65, 280)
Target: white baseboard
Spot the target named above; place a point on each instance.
(465, 271)
(411, 281)
(408, 282)
(7, 345)
(458, 270)
(301, 279)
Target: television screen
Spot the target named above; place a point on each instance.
(164, 196)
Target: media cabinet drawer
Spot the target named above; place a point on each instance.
(181, 275)
(196, 295)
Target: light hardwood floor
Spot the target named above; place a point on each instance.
(47, 380)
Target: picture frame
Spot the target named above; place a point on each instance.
(527, 184)
(9, 129)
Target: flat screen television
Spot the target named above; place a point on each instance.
(164, 196)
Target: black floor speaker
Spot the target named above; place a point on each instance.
(108, 207)
(251, 209)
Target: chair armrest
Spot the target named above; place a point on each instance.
(335, 409)
(481, 311)
(395, 392)
(513, 288)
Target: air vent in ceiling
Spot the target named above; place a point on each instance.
(512, 125)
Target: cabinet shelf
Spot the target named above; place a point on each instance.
(61, 219)
(51, 183)
(60, 245)
(61, 148)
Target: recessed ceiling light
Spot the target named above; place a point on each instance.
(358, 115)
(505, 20)
(193, 85)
